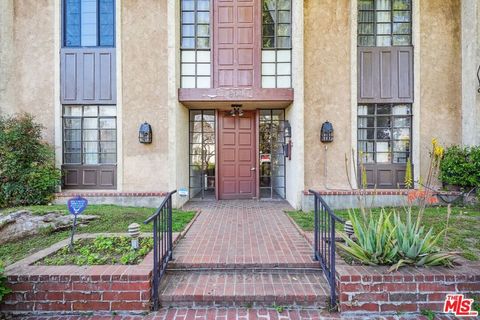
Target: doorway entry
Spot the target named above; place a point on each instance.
(237, 160)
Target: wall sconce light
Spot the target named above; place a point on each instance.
(145, 133)
(326, 133)
(287, 147)
(236, 110)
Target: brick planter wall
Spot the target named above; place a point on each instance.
(77, 288)
(364, 289)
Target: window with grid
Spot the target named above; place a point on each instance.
(276, 43)
(195, 44)
(384, 23)
(89, 23)
(202, 154)
(89, 135)
(384, 133)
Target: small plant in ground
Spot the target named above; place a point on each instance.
(279, 309)
(4, 290)
(428, 313)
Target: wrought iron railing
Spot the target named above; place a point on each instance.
(324, 242)
(162, 243)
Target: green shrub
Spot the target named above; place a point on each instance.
(460, 166)
(27, 164)
(3, 283)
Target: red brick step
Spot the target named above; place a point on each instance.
(244, 288)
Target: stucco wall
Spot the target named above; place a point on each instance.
(440, 86)
(327, 91)
(7, 70)
(32, 74)
(145, 95)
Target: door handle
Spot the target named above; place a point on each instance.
(253, 169)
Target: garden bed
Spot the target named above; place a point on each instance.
(100, 251)
(111, 219)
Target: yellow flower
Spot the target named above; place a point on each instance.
(438, 150)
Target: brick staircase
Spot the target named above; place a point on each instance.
(243, 254)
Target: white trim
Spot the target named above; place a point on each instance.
(353, 90)
(119, 87)
(295, 169)
(416, 106)
(57, 35)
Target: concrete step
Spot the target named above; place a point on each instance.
(245, 288)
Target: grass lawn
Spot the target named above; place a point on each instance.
(111, 219)
(463, 233)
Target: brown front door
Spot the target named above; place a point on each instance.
(237, 156)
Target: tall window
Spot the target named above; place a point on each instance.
(195, 44)
(89, 135)
(272, 159)
(202, 154)
(89, 23)
(276, 43)
(384, 23)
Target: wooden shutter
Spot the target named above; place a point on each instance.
(385, 75)
(88, 76)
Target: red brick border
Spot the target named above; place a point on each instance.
(364, 289)
(382, 192)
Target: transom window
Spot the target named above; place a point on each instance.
(384, 133)
(276, 43)
(195, 44)
(89, 135)
(384, 23)
(89, 23)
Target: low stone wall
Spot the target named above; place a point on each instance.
(77, 288)
(364, 289)
(348, 199)
(130, 199)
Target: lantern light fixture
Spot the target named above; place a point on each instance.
(326, 133)
(145, 133)
(288, 129)
(236, 110)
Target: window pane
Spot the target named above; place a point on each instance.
(108, 158)
(384, 134)
(367, 157)
(365, 4)
(203, 43)
(383, 16)
(401, 122)
(203, 5)
(203, 69)
(106, 123)
(203, 82)
(90, 135)
(268, 30)
(366, 134)
(284, 56)
(283, 42)
(401, 110)
(383, 4)
(400, 157)
(366, 41)
(268, 55)
(73, 146)
(401, 134)
(108, 135)
(72, 123)
(402, 5)
(107, 11)
(366, 110)
(188, 30)
(383, 157)
(203, 17)
(188, 17)
(90, 111)
(188, 43)
(108, 147)
(72, 111)
(383, 122)
(283, 30)
(284, 16)
(188, 69)
(284, 82)
(188, 5)
(401, 146)
(366, 16)
(283, 69)
(402, 40)
(72, 158)
(203, 30)
(366, 146)
(188, 82)
(89, 22)
(402, 28)
(108, 110)
(268, 69)
(365, 28)
(283, 4)
(203, 56)
(366, 122)
(72, 23)
(268, 82)
(401, 16)
(72, 135)
(384, 28)
(188, 56)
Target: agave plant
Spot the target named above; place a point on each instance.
(375, 240)
(414, 247)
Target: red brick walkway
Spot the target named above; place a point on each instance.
(232, 314)
(242, 234)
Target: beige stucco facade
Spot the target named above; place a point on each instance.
(324, 56)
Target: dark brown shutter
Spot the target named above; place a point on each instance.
(88, 76)
(385, 75)
(89, 176)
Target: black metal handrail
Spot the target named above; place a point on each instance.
(324, 242)
(162, 243)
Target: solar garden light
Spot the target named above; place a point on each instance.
(348, 228)
(134, 233)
